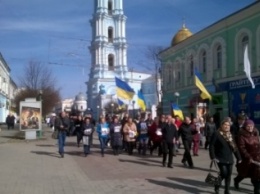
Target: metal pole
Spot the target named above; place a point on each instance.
(40, 99)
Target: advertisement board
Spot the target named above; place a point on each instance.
(30, 115)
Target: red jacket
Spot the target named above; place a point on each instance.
(195, 133)
(178, 123)
(153, 134)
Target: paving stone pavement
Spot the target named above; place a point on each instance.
(35, 167)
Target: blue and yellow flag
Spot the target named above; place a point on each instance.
(141, 101)
(123, 90)
(121, 104)
(177, 111)
(204, 93)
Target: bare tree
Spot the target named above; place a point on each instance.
(152, 55)
(35, 78)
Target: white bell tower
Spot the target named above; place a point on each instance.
(108, 48)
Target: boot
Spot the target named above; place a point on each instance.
(216, 189)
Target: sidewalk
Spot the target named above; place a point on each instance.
(35, 167)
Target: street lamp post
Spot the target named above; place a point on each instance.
(112, 106)
(177, 94)
(97, 111)
(39, 97)
(133, 102)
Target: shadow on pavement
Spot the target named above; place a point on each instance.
(75, 153)
(150, 160)
(12, 137)
(203, 184)
(136, 162)
(195, 167)
(46, 145)
(52, 154)
(186, 188)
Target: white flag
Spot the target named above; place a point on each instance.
(247, 67)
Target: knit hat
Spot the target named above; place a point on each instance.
(249, 122)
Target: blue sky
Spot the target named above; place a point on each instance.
(57, 33)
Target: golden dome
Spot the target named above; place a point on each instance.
(181, 35)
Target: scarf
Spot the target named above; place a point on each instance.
(228, 137)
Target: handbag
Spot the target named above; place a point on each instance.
(55, 134)
(213, 179)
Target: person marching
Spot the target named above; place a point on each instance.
(221, 149)
(156, 136)
(87, 131)
(130, 133)
(78, 126)
(185, 131)
(210, 128)
(195, 136)
(62, 124)
(249, 148)
(103, 131)
(169, 137)
(116, 135)
(142, 130)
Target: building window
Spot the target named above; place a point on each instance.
(204, 61)
(243, 43)
(178, 76)
(218, 57)
(110, 7)
(169, 75)
(110, 34)
(110, 62)
(191, 66)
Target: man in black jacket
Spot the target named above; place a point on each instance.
(185, 131)
(62, 124)
(169, 136)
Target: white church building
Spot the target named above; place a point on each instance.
(109, 58)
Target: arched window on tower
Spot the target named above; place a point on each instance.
(110, 7)
(110, 34)
(219, 57)
(204, 61)
(244, 42)
(191, 66)
(110, 62)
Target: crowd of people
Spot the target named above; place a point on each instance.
(165, 134)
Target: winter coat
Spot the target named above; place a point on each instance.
(130, 132)
(195, 130)
(169, 133)
(249, 148)
(116, 134)
(103, 130)
(142, 130)
(155, 133)
(210, 128)
(87, 132)
(185, 131)
(65, 122)
(78, 125)
(220, 149)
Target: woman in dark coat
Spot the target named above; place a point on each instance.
(78, 126)
(249, 147)
(116, 135)
(87, 131)
(221, 150)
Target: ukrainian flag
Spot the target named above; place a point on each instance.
(141, 101)
(121, 104)
(204, 93)
(123, 90)
(177, 111)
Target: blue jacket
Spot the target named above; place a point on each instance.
(103, 130)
